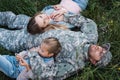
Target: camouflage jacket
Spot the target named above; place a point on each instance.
(63, 67)
(20, 39)
(73, 54)
(40, 68)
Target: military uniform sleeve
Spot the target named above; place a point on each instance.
(13, 21)
(86, 26)
(90, 29)
(67, 68)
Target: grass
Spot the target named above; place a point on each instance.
(106, 13)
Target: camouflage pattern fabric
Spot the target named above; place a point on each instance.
(74, 50)
(18, 40)
(39, 68)
(64, 66)
(13, 21)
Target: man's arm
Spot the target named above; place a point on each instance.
(90, 29)
(86, 26)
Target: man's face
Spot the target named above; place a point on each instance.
(96, 52)
(42, 20)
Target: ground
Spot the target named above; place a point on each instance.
(106, 13)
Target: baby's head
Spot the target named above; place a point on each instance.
(50, 47)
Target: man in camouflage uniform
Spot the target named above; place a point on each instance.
(18, 40)
(74, 44)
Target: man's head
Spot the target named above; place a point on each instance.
(100, 55)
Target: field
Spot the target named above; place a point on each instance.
(106, 13)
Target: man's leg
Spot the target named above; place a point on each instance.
(13, 21)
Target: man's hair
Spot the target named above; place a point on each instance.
(54, 45)
(106, 57)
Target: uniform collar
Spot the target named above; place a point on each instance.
(85, 51)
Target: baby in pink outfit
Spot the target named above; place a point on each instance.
(65, 7)
(71, 6)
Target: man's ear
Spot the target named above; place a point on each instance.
(92, 61)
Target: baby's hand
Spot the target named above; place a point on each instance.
(22, 62)
(57, 7)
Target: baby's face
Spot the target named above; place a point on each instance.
(43, 50)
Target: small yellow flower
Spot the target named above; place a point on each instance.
(119, 68)
(103, 17)
(111, 21)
